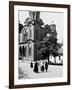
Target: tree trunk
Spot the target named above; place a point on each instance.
(59, 57)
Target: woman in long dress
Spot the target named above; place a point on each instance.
(36, 67)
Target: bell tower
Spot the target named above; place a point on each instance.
(34, 15)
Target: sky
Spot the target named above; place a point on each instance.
(48, 18)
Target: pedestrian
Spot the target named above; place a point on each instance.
(46, 66)
(36, 67)
(42, 67)
(31, 65)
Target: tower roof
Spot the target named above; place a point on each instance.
(40, 21)
(27, 20)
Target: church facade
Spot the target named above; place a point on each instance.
(32, 33)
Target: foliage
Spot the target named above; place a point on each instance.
(47, 46)
(20, 27)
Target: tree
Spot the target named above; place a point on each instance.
(20, 27)
(48, 46)
(55, 53)
(51, 45)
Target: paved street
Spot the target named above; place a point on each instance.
(27, 72)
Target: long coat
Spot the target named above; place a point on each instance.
(36, 67)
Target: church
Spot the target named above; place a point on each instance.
(32, 33)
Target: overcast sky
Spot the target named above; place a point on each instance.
(47, 18)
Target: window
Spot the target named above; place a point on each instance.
(25, 51)
(29, 49)
(20, 51)
(25, 35)
(30, 33)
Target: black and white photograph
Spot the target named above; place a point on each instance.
(39, 44)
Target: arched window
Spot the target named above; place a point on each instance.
(25, 34)
(20, 51)
(29, 49)
(25, 48)
(23, 51)
(30, 32)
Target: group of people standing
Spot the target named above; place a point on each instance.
(39, 66)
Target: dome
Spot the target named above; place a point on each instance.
(47, 27)
(40, 21)
(27, 20)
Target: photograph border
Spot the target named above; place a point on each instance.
(11, 43)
